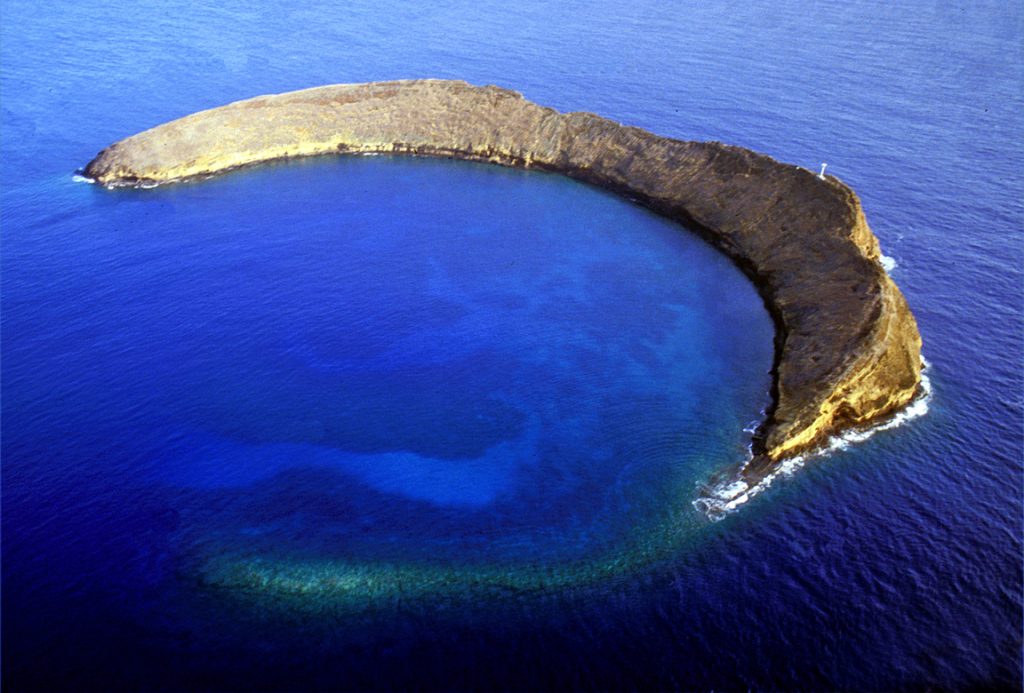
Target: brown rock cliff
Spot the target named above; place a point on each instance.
(847, 346)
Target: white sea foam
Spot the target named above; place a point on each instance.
(78, 178)
(888, 263)
(727, 495)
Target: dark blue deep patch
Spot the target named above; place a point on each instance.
(466, 370)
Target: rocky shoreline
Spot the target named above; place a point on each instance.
(848, 351)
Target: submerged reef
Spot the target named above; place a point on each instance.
(848, 351)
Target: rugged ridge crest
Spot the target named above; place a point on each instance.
(848, 351)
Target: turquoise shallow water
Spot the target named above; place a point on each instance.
(377, 423)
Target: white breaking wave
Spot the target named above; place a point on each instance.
(888, 263)
(79, 178)
(728, 495)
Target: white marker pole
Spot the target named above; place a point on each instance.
(822, 174)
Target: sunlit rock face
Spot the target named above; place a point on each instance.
(848, 348)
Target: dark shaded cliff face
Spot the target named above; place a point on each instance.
(848, 348)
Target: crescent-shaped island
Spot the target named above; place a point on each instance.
(847, 352)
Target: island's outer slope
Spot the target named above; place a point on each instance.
(848, 348)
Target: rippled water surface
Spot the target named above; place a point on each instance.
(383, 422)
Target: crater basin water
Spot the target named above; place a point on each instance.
(366, 379)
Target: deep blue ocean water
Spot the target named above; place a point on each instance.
(398, 423)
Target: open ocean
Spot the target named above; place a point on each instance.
(376, 422)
